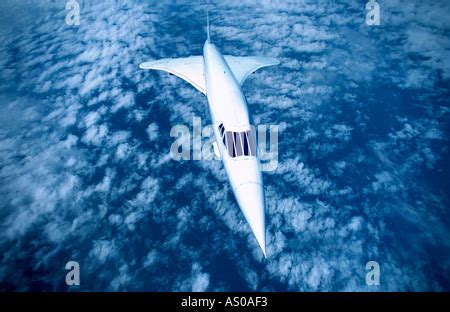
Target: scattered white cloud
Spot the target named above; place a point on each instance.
(85, 172)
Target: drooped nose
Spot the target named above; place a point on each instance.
(250, 197)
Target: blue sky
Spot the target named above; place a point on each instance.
(85, 172)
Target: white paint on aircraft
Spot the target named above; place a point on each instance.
(220, 78)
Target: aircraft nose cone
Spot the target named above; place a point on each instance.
(250, 197)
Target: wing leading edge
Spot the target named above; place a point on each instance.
(243, 66)
(190, 68)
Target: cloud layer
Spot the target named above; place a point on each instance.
(85, 173)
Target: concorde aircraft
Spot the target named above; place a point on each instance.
(220, 78)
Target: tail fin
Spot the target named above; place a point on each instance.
(207, 27)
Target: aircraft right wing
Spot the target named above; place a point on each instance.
(243, 66)
(189, 69)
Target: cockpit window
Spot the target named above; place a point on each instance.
(238, 143)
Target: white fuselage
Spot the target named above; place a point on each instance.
(228, 107)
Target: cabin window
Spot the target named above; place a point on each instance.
(238, 143)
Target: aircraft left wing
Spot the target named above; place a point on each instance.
(243, 66)
(189, 69)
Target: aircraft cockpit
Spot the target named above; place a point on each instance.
(238, 143)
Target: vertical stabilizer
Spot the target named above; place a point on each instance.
(207, 27)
